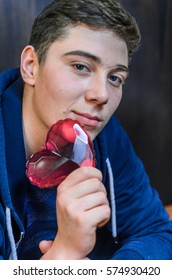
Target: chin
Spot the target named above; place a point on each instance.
(91, 132)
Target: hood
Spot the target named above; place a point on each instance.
(8, 80)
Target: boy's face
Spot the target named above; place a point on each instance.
(81, 79)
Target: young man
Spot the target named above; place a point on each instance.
(74, 67)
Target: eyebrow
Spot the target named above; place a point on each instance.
(95, 58)
(85, 54)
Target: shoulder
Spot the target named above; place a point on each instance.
(8, 77)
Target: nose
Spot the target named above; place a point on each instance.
(97, 91)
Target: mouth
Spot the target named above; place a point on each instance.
(87, 119)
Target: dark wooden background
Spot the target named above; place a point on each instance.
(146, 108)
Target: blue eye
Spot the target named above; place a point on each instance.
(80, 67)
(115, 80)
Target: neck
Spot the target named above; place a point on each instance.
(33, 132)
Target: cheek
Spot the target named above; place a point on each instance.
(114, 102)
(118, 100)
(65, 89)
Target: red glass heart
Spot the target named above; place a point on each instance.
(67, 147)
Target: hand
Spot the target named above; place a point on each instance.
(82, 206)
(45, 245)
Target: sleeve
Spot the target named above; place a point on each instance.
(143, 226)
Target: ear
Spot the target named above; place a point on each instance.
(29, 64)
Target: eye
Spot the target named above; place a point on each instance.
(80, 67)
(116, 81)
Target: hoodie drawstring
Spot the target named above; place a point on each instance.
(13, 255)
(112, 198)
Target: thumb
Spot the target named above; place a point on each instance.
(45, 245)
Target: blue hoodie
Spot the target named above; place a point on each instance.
(139, 227)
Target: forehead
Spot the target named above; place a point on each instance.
(102, 43)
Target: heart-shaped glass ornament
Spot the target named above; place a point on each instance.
(67, 147)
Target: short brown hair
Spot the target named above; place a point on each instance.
(55, 19)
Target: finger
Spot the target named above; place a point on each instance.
(45, 245)
(82, 174)
(89, 202)
(82, 189)
(98, 216)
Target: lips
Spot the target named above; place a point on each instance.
(87, 120)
